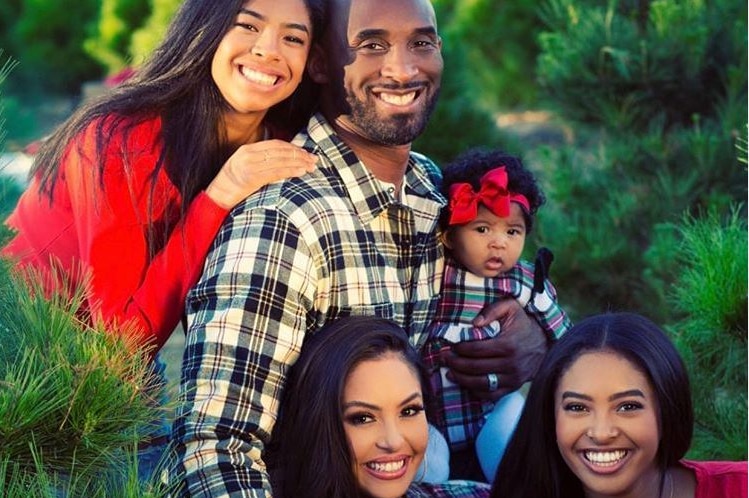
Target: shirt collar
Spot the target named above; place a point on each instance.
(368, 195)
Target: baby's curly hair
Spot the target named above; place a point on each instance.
(472, 164)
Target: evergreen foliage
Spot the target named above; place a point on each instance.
(624, 175)
(146, 38)
(74, 399)
(117, 21)
(626, 66)
(46, 37)
(9, 190)
(711, 294)
(7, 66)
(497, 38)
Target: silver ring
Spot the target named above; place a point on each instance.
(493, 381)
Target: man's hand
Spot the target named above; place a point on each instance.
(514, 355)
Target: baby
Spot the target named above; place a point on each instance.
(492, 201)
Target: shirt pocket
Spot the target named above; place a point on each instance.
(382, 310)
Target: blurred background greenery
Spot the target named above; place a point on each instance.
(633, 113)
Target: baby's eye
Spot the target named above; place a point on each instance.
(482, 230)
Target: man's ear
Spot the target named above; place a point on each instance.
(317, 65)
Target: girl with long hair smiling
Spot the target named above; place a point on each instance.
(128, 194)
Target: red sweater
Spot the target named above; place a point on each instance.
(104, 232)
(719, 479)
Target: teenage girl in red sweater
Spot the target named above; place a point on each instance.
(128, 194)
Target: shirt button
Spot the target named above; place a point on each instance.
(391, 190)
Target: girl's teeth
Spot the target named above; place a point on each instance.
(258, 77)
(605, 458)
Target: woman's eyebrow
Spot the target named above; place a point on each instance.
(615, 396)
(370, 406)
(626, 394)
(573, 394)
(258, 15)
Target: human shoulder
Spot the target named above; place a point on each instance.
(717, 468)
(117, 128)
(126, 147)
(315, 191)
(429, 167)
(717, 479)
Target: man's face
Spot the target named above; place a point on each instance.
(391, 79)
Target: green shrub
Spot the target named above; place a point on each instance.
(641, 157)
(499, 44)
(118, 19)
(74, 399)
(10, 12)
(623, 67)
(9, 188)
(47, 40)
(711, 294)
(147, 38)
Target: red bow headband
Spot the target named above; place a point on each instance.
(464, 201)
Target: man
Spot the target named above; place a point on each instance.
(357, 236)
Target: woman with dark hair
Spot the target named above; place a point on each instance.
(610, 414)
(128, 194)
(352, 421)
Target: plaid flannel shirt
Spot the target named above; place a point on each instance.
(460, 414)
(450, 489)
(294, 256)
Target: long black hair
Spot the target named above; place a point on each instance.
(532, 466)
(309, 454)
(176, 84)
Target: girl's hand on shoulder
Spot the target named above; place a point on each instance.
(252, 166)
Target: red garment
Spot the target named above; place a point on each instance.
(719, 479)
(104, 231)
